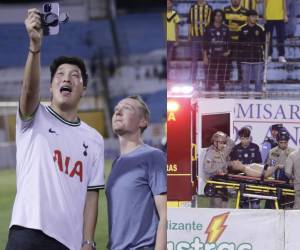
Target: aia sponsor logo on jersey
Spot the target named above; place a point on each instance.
(63, 164)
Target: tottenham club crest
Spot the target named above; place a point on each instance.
(85, 149)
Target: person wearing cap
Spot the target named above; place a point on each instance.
(252, 39)
(270, 142)
(60, 159)
(279, 154)
(216, 160)
(277, 158)
(292, 171)
(246, 152)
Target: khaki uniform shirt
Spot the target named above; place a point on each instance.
(215, 160)
(278, 156)
(292, 168)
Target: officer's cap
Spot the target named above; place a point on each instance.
(283, 135)
(277, 127)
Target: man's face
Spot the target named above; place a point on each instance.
(245, 141)
(201, 1)
(67, 86)
(127, 117)
(283, 145)
(218, 17)
(235, 3)
(252, 19)
(220, 143)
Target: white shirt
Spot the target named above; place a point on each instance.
(57, 162)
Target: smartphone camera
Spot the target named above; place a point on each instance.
(50, 18)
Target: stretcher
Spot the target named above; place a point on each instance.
(281, 192)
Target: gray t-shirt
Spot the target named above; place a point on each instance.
(134, 180)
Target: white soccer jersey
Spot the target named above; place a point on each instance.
(57, 162)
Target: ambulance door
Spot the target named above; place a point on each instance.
(213, 115)
(179, 152)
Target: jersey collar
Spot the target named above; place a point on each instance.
(56, 115)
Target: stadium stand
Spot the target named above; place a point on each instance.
(281, 79)
(141, 41)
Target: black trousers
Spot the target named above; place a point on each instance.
(21, 238)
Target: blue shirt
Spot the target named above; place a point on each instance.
(134, 180)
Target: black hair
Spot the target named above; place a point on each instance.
(244, 132)
(69, 60)
(215, 13)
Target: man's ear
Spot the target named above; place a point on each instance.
(83, 91)
(143, 123)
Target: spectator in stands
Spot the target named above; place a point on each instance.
(216, 50)
(292, 18)
(199, 18)
(275, 14)
(246, 152)
(252, 40)
(270, 142)
(216, 162)
(172, 31)
(235, 17)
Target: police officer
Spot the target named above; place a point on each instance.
(277, 157)
(216, 50)
(216, 161)
(292, 171)
(279, 154)
(246, 152)
(270, 142)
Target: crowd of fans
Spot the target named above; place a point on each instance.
(232, 36)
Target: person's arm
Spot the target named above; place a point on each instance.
(161, 233)
(30, 95)
(265, 149)
(288, 168)
(90, 218)
(258, 155)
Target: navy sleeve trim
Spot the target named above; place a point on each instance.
(95, 187)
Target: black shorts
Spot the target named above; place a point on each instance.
(22, 238)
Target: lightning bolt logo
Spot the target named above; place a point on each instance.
(216, 227)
